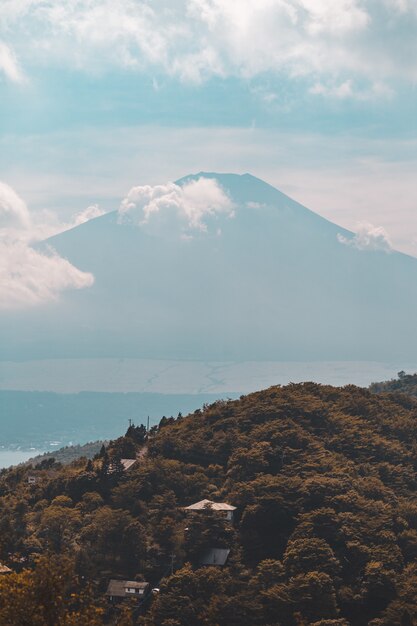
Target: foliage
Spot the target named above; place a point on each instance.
(404, 383)
(325, 532)
(48, 595)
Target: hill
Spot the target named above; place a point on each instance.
(325, 532)
(265, 280)
(404, 383)
(67, 454)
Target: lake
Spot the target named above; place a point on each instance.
(14, 457)
(80, 400)
(189, 377)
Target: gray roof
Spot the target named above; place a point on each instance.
(216, 506)
(117, 588)
(215, 556)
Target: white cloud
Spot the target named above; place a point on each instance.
(9, 65)
(13, 210)
(348, 90)
(369, 176)
(323, 40)
(28, 276)
(368, 237)
(335, 16)
(173, 209)
(90, 213)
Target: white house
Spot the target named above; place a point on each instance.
(119, 589)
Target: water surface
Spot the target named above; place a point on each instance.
(14, 457)
(190, 377)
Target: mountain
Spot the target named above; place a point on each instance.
(324, 532)
(273, 282)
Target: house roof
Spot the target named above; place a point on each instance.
(118, 587)
(4, 569)
(216, 506)
(215, 556)
(127, 463)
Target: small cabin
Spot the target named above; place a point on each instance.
(4, 569)
(227, 510)
(118, 590)
(125, 463)
(32, 480)
(214, 557)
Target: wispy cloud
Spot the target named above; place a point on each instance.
(324, 40)
(27, 276)
(349, 90)
(13, 210)
(9, 65)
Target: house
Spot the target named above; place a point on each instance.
(118, 590)
(214, 556)
(4, 569)
(32, 480)
(126, 464)
(222, 507)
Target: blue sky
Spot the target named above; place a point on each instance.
(318, 97)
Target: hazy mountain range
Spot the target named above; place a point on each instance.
(223, 267)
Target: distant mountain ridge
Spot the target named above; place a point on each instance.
(274, 282)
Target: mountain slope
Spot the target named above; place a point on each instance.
(275, 284)
(404, 383)
(325, 530)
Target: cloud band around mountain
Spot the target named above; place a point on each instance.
(173, 209)
(368, 237)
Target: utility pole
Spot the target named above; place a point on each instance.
(147, 428)
(130, 422)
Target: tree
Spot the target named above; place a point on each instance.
(49, 595)
(310, 554)
(313, 596)
(113, 541)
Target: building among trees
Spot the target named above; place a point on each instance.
(222, 507)
(118, 590)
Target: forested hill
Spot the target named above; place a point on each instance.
(325, 533)
(404, 383)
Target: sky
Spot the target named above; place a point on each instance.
(317, 97)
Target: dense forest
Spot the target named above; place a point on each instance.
(325, 529)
